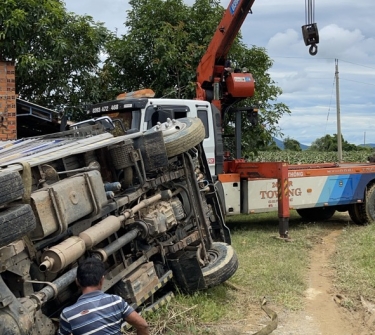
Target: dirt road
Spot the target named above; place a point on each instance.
(323, 313)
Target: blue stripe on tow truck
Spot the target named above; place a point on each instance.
(337, 190)
(344, 189)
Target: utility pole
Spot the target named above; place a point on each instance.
(339, 142)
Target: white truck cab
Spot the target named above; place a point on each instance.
(143, 113)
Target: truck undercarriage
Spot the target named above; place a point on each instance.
(144, 204)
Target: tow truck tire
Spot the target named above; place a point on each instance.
(186, 138)
(316, 213)
(223, 264)
(366, 210)
(354, 213)
(16, 220)
(11, 186)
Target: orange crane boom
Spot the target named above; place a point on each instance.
(216, 81)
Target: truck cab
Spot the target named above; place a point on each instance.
(143, 113)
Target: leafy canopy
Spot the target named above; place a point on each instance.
(67, 61)
(164, 43)
(292, 144)
(329, 143)
(56, 52)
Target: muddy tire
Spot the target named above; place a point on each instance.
(364, 213)
(316, 213)
(15, 221)
(354, 213)
(223, 264)
(11, 186)
(191, 134)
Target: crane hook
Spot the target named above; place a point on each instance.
(310, 29)
(313, 50)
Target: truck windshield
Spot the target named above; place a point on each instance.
(130, 117)
(128, 111)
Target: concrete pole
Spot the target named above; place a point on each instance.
(339, 142)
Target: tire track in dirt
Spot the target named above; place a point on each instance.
(321, 315)
(330, 317)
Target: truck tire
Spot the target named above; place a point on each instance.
(366, 211)
(354, 213)
(316, 213)
(11, 186)
(8, 324)
(223, 264)
(16, 220)
(191, 134)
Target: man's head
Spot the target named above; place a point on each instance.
(90, 272)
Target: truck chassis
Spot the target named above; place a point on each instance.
(144, 204)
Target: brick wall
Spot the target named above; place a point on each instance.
(8, 123)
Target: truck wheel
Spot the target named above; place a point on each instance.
(181, 135)
(8, 324)
(16, 220)
(354, 213)
(11, 186)
(223, 264)
(366, 210)
(316, 213)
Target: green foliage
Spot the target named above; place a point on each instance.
(157, 52)
(56, 53)
(58, 64)
(270, 147)
(355, 265)
(309, 157)
(163, 46)
(329, 143)
(292, 144)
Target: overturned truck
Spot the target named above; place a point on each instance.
(145, 204)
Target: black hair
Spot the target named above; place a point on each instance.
(90, 272)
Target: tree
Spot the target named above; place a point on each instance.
(56, 53)
(292, 144)
(329, 143)
(164, 43)
(272, 146)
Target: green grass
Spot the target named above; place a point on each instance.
(355, 264)
(275, 269)
(269, 266)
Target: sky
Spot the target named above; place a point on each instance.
(346, 33)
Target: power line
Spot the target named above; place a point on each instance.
(330, 102)
(355, 81)
(323, 58)
(307, 58)
(369, 67)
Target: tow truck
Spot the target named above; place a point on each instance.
(316, 191)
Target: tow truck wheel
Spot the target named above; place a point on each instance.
(366, 210)
(181, 135)
(316, 213)
(223, 264)
(354, 213)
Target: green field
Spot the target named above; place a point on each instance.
(301, 157)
